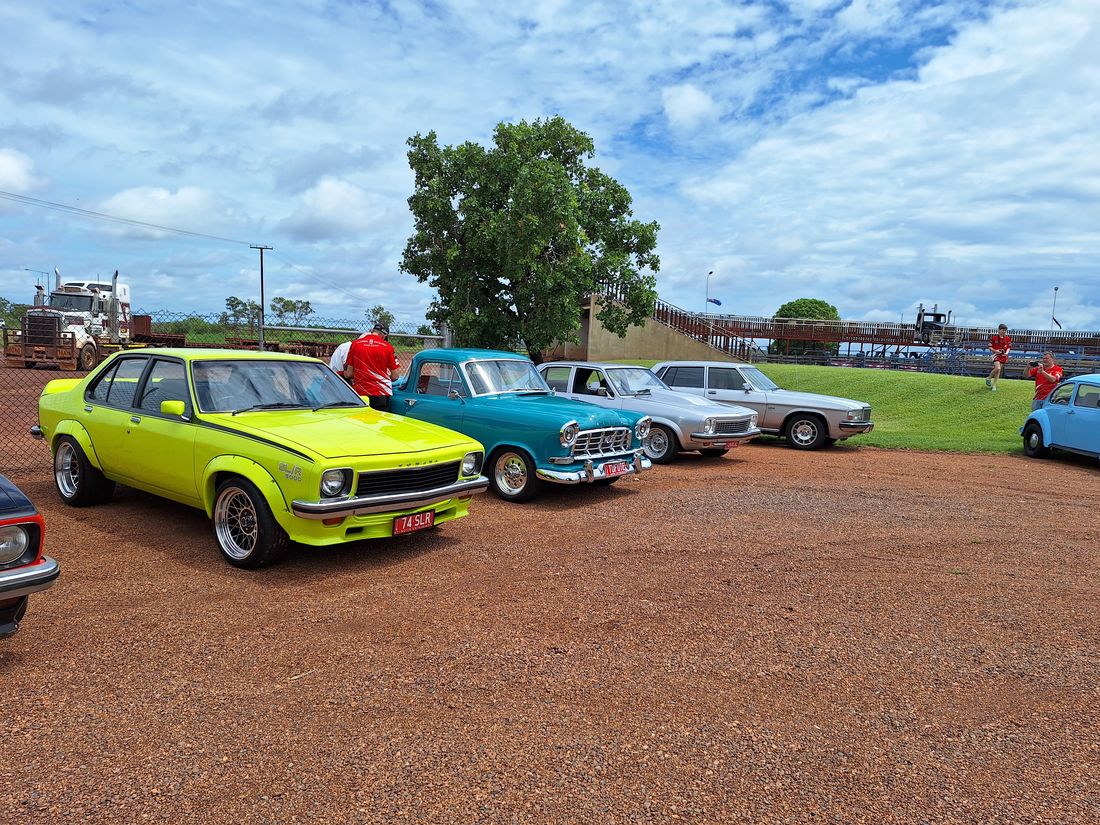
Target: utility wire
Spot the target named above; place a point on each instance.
(88, 213)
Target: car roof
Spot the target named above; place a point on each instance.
(701, 364)
(592, 364)
(1092, 377)
(208, 353)
(458, 355)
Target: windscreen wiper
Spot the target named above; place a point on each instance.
(277, 405)
(332, 404)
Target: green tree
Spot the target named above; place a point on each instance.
(515, 237)
(238, 311)
(805, 309)
(379, 315)
(12, 314)
(290, 311)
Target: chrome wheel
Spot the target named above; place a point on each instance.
(805, 433)
(66, 470)
(236, 523)
(510, 474)
(660, 444)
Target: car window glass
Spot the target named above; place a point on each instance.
(557, 378)
(1087, 396)
(725, 378)
(124, 384)
(167, 381)
(98, 391)
(437, 379)
(237, 385)
(685, 377)
(589, 382)
(1062, 394)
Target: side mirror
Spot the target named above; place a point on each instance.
(176, 408)
(454, 395)
(602, 392)
(747, 387)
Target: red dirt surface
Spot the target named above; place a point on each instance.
(853, 635)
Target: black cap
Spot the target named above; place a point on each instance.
(385, 330)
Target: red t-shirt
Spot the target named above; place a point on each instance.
(1000, 344)
(1042, 385)
(371, 358)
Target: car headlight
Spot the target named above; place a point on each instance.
(854, 415)
(569, 433)
(708, 426)
(334, 482)
(471, 463)
(641, 429)
(752, 422)
(14, 542)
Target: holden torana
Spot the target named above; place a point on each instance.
(23, 568)
(273, 447)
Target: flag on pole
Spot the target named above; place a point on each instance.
(1055, 320)
(714, 301)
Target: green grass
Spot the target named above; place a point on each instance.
(920, 411)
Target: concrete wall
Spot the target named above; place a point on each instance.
(651, 341)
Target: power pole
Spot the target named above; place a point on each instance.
(261, 247)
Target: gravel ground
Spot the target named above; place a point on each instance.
(854, 635)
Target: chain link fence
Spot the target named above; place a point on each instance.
(20, 385)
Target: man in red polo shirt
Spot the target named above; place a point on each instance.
(372, 367)
(1000, 344)
(1047, 376)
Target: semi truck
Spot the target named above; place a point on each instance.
(72, 327)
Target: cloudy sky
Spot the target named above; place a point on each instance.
(874, 153)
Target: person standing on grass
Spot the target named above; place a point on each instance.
(372, 367)
(1047, 376)
(1000, 344)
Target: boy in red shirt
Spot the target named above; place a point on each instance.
(1047, 376)
(1000, 344)
(372, 367)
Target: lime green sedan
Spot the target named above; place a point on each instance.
(275, 448)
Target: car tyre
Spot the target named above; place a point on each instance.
(805, 432)
(660, 445)
(512, 474)
(713, 452)
(248, 535)
(86, 360)
(78, 483)
(1033, 441)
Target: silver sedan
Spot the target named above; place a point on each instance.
(805, 419)
(680, 422)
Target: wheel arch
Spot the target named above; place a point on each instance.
(75, 430)
(1042, 421)
(225, 466)
(820, 416)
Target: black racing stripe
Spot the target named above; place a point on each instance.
(211, 425)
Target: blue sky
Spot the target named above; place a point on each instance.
(874, 153)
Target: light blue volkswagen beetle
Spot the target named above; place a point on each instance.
(1068, 420)
(531, 436)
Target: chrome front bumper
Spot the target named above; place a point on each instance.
(709, 439)
(593, 471)
(856, 427)
(386, 503)
(22, 581)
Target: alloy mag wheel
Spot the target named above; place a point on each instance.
(236, 523)
(66, 470)
(510, 473)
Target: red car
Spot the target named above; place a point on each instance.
(23, 568)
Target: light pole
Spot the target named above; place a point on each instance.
(37, 272)
(261, 247)
(706, 304)
(1053, 308)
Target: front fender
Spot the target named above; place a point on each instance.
(1041, 418)
(245, 468)
(74, 429)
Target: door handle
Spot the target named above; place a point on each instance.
(87, 408)
(410, 402)
(712, 392)
(135, 419)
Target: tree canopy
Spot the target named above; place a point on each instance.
(379, 315)
(515, 237)
(290, 311)
(811, 309)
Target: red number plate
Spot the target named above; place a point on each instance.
(410, 524)
(615, 468)
(732, 444)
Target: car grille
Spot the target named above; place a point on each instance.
(732, 427)
(599, 443)
(863, 414)
(407, 480)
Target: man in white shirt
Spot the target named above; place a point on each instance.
(340, 356)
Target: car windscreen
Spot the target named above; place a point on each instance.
(758, 380)
(488, 377)
(240, 385)
(78, 303)
(634, 379)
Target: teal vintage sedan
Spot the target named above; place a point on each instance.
(531, 435)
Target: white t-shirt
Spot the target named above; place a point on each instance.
(339, 357)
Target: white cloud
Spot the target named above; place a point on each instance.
(334, 209)
(16, 171)
(687, 106)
